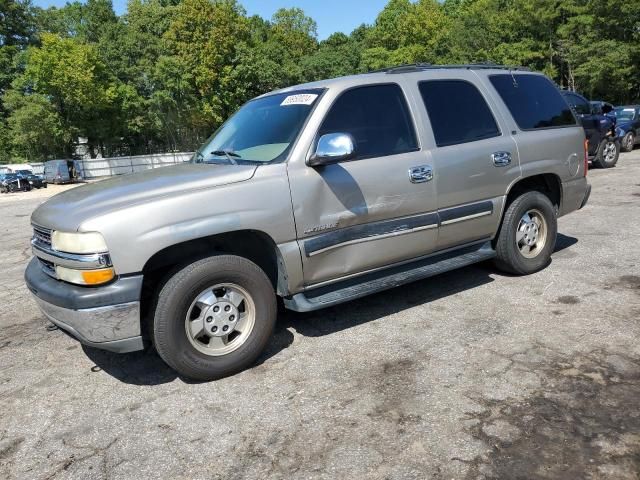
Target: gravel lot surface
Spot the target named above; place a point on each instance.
(472, 374)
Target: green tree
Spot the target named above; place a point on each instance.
(296, 32)
(34, 129)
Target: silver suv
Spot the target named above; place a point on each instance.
(319, 194)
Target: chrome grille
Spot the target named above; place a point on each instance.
(42, 236)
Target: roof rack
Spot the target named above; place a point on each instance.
(418, 67)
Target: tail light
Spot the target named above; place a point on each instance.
(586, 157)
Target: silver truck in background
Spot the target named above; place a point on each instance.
(319, 194)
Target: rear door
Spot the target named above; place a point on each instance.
(475, 157)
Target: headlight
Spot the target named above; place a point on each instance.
(85, 277)
(91, 242)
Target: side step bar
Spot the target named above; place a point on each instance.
(388, 278)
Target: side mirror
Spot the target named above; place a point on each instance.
(333, 148)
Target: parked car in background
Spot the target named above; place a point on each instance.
(320, 194)
(599, 107)
(36, 181)
(599, 127)
(62, 171)
(628, 126)
(13, 182)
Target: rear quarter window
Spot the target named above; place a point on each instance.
(534, 102)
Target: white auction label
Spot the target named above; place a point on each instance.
(300, 99)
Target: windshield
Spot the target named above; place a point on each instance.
(624, 113)
(263, 130)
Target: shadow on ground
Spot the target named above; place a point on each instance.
(146, 368)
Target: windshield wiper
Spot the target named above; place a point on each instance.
(227, 153)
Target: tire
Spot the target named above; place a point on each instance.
(190, 356)
(628, 141)
(510, 257)
(608, 153)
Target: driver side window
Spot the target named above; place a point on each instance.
(378, 119)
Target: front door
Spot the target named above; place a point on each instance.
(367, 212)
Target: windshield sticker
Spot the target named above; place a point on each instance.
(300, 99)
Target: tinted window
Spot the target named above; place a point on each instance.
(533, 101)
(457, 111)
(263, 130)
(378, 119)
(580, 105)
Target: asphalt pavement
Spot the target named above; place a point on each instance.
(472, 374)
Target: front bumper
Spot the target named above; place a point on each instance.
(106, 317)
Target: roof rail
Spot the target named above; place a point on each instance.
(418, 67)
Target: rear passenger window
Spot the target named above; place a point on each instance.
(457, 111)
(377, 117)
(534, 102)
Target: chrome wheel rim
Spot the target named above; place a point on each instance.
(220, 319)
(531, 233)
(630, 141)
(609, 152)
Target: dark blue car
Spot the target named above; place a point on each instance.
(628, 126)
(600, 128)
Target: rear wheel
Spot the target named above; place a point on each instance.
(214, 317)
(608, 153)
(628, 141)
(528, 234)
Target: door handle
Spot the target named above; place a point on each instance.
(501, 159)
(421, 174)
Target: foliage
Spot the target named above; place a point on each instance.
(167, 73)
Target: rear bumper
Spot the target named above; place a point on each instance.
(575, 195)
(103, 317)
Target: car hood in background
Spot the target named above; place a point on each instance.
(66, 211)
(624, 125)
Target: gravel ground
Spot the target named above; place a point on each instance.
(472, 374)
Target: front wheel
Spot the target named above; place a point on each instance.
(608, 153)
(628, 141)
(528, 234)
(214, 317)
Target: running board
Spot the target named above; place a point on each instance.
(378, 281)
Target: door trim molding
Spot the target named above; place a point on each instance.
(465, 212)
(368, 232)
(398, 226)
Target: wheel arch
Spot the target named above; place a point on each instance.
(549, 184)
(253, 245)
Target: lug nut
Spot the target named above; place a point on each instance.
(214, 329)
(225, 328)
(227, 308)
(209, 319)
(216, 309)
(232, 318)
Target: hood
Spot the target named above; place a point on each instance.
(66, 211)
